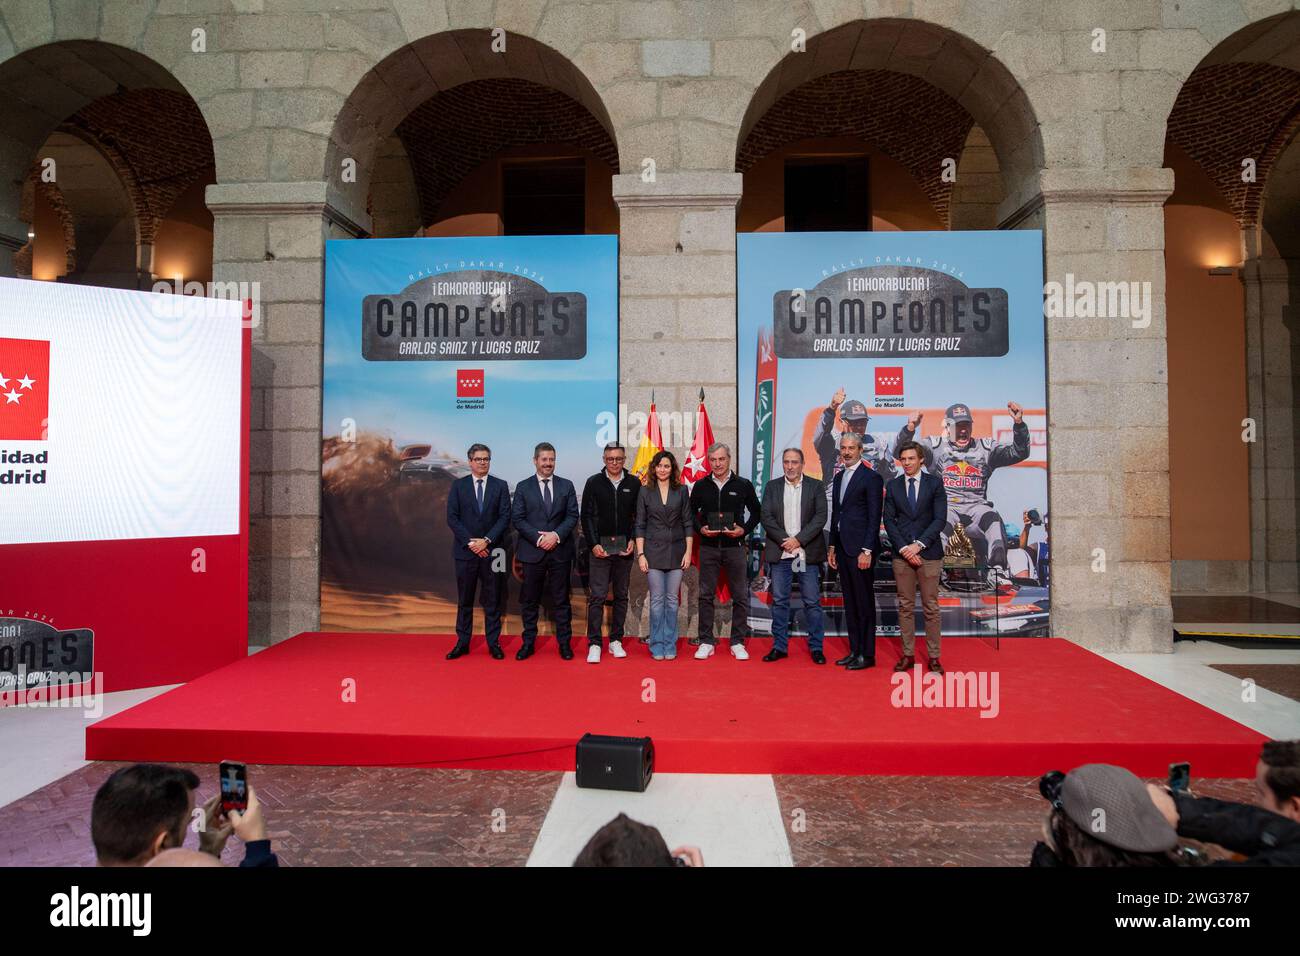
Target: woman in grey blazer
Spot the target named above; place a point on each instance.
(664, 530)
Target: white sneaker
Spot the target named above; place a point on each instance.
(593, 654)
(616, 648)
(704, 652)
(739, 653)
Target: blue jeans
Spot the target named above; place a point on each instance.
(663, 610)
(809, 591)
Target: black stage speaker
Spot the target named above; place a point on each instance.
(615, 763)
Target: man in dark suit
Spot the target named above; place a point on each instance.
(916, 509)
(545, 513)
(478, 513)
(856, 497)
(794, 524)
(609, 512)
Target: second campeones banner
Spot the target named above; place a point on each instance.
(432, 345)
(868, 331)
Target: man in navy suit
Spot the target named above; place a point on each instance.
(855, 538)
(545, 513)
(916, 508)
(478, 513)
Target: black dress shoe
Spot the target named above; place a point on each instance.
(460, 650)
(843, 661)
(818, 657)
(566, 652)
(860, 663)
(775, 655)
(524, 652)
(496, 652)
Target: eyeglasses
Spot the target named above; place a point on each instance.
(616, 458)
(480, 459)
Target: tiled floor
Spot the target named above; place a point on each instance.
(925, 821)
(1283, 679)
(330, 816)
(349, 816)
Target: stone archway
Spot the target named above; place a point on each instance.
(111, 98)
(448, 65)
(1236, 117)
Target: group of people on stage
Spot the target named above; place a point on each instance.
(655, 526)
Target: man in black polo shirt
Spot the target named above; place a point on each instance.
(724, 492)
(609, 518)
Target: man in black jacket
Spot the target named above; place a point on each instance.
(724, 492)
(609, 512)
(1267, 835)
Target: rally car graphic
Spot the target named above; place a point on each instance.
(1018, 606)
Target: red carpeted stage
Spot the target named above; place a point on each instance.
(1056, 705)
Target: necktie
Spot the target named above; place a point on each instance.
(479, 493)
(911, 495)
(546, 494)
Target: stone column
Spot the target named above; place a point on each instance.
(1272, 287)
(1108, 413)
(677, 318)
(273, 234)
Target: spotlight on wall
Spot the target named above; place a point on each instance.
(1223, 270)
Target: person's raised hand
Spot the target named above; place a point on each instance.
(1164, 802)
(914, 421)
(216, 828)
(690, 855)
(1017, 413)
(249, 824)
(838, 398)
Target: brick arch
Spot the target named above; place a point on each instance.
(1227, 112)
(484, 117)
(434, 66)
(965, 73)
(845, 104)
(46, 84)
(154, 169)
(1242, 101)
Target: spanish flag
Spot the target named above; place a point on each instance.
(651, 444)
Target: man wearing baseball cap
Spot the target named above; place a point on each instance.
(877, 450)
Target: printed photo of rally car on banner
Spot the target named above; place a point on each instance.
(933, 337)
(431, 345)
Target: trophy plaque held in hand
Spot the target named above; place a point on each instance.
(721, 520)
(959, 552)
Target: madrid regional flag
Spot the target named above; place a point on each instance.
(24, 389)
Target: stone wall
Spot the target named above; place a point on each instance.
(291, 91)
